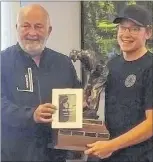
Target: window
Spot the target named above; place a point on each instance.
(98, 33)
(8, 20)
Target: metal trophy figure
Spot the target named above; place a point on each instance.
(95, 67)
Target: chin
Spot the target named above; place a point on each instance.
(127, 49)
(35, 50)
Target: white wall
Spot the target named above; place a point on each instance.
(8, 20)
(66, 22)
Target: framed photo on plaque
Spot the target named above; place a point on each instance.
(69, 104)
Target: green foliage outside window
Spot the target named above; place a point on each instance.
(99, 33)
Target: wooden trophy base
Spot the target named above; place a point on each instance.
(77, 139)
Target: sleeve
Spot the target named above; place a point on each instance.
(148, 89)
(11, 114)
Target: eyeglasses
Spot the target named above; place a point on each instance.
(132, 30)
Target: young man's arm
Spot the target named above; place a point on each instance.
(138, 134)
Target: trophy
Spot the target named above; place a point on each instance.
(93, 130)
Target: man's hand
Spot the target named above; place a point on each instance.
(101, 149)
(43, 114)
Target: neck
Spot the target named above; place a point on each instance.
(134, 55)
(36, 60)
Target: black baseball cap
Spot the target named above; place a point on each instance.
(135, 13)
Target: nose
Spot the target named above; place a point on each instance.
(126, 33)
(127, 30)
(32, 31)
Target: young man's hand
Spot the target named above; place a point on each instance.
(101, 149)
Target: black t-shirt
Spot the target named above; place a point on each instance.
(129, 93)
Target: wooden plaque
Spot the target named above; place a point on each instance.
(77, 139)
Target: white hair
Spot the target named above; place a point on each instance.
(31, 7)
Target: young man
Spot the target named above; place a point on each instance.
(29, 72)
(129, 93)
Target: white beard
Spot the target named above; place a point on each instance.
(33, 48)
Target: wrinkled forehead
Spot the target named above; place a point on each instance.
(33, 17)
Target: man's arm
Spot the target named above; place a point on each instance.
(138, 134)
(12, 114)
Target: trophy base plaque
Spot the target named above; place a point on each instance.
(77, 139)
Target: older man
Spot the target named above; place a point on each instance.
(129, 95)
(29, 72)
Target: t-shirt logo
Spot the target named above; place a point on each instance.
(130, 80)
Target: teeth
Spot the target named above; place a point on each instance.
(126, 41)
(32, 40)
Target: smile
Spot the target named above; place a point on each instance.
(127, 41)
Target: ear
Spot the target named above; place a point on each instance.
(148, 33)
(49, 30)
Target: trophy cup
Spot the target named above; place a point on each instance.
(93, 129)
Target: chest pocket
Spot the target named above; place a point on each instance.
(26, 83)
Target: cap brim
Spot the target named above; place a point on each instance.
(119, 19)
